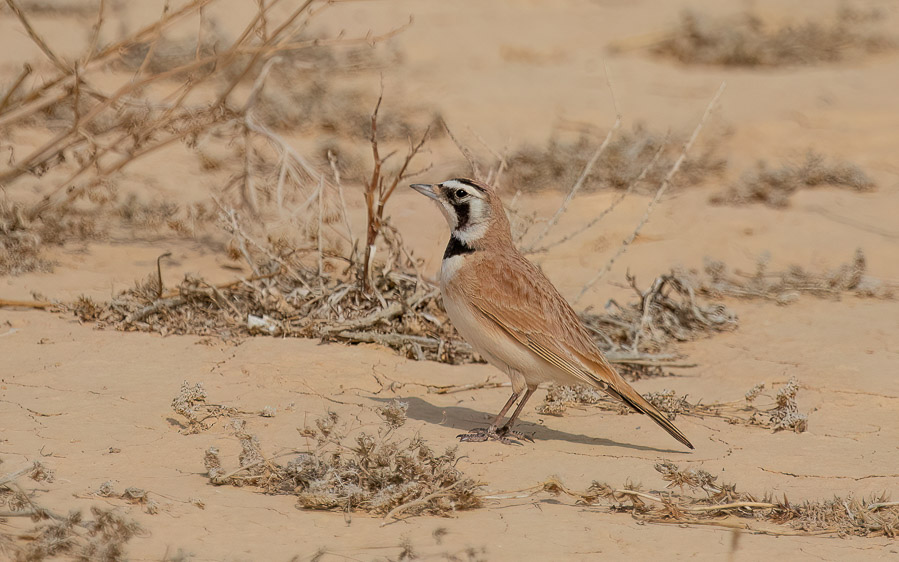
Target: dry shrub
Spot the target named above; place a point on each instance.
(290, 298)
(175, 91)
(332, 112)
(780, 414)
(668, 311)
(560, 162)
(786, 286)
(708, 502)
(774, 187)
(748, 41)
(786, 414)
(23, 241)
(102, 538)
(191, 404)
(348, 469)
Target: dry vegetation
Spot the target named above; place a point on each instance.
(708, 502)
(557, 165)
(781, 413)
(784, 287)
(207, 93)
(326, 283)
(775, 186)
(747, 40)
(346, 468)
(102, 537)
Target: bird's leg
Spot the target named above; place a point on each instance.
(506, 430)
(481, 434)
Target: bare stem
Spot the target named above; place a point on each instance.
(659, 193)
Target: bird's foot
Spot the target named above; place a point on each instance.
(505, 432)
(504, 436)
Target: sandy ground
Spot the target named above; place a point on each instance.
(70, 395)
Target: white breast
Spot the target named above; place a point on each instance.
(448, 269)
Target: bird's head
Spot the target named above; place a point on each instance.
(473, 209)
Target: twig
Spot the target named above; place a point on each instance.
(151, 52)
(576, 187)
(332, 160)
(586, 171)
(26, 70)
(241, 241)
(386, 313)
(377, 193)
(5, 303)
(661, 191)
(223, 97)
(734, 505)
(389, 340)
(420, 501)
(95, 34)
(881, 505)
(38, 40)
(157, 305)
(159, 273)
(610, 208)
(7, 478)
(472, 162)
(321, 212)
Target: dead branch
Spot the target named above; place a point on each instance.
(576, 187)
(593, 222)
(661, 191)
(378, 190)
(6, 303)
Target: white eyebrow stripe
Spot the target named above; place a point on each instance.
(454, 184)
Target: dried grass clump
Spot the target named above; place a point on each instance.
(779, 414)
(774, 187)
(102, 538)
(668, 311)
(708, 502)
(403, 312)
(23, 241)
(191, 404)
(349, 469)
(786, 414)
(786, 286)
(289, 298)
(560, 397)
(748, 41)
(559, 163)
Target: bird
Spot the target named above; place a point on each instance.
(512, 315)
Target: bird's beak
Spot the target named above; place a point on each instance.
(425, 189)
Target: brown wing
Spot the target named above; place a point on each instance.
(523, 302)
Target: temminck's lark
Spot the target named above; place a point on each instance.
(511, 314)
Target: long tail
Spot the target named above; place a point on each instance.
(632, 398)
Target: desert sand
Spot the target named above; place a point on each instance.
(95, 405)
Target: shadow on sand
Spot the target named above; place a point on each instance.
(461, 417)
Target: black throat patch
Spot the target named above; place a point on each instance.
(462, 213)
(456, 247)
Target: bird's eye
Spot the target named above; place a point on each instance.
(460, 193)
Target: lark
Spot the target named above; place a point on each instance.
(512, 315)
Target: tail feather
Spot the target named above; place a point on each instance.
(633, 399)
